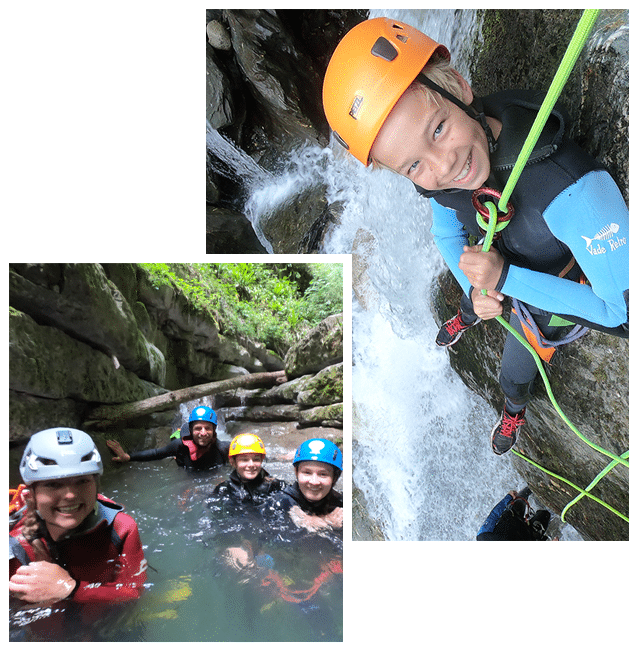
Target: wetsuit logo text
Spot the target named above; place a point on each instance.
(606, 233)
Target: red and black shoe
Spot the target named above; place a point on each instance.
(452, 330)
(506, 430)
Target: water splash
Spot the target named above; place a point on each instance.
(421, 438)
(304, 168)
(231, 162)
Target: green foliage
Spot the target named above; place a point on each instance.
(324, 296)
(272, 303)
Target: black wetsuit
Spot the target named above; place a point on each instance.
(561, 190)
(185, 453)
(254, 491)
(507, 521)
(291, 496)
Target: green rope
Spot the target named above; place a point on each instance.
(574, 48)
(582, 491)
(576, 44)
(615, 458)
(599, 476)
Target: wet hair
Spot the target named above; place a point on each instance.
(439, 70)
(33, 525)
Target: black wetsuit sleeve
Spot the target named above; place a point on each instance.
(169, 450)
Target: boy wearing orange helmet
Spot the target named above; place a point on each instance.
(393, 100)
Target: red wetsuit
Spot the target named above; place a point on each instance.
(105, 556)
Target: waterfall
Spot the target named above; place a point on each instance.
(422, 456)
(231, 162)
(421, 450)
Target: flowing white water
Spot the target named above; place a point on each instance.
(421, 449)
(422, 456)
(235, 162)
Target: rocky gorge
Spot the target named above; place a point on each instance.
(263, 88)
(90, 337)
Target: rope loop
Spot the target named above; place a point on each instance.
(483, 210)
(497, 223)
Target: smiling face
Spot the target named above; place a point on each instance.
(248, 465)
(433, 142)
(315, 479)
(203, 433)
(64, 503)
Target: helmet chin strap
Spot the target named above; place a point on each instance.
(475, 114)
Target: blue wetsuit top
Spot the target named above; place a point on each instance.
(566, 206)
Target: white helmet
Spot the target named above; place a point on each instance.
(59, 452)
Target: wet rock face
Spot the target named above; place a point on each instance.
(228, 231)
(299, 224)
(82, 335)
(603, 121)
(590, 377)
(596, 94)
(313, 395)
(265, 94)
(589, 381)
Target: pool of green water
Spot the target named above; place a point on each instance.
(193, 594)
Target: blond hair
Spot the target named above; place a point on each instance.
(438, 70)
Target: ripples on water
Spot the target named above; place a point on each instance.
(193, 592)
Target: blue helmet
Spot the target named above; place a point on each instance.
(319, 450)
(203, 413)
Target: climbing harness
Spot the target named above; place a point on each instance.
(545, 348)
(495, 223)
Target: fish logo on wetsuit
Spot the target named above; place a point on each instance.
(605, 233)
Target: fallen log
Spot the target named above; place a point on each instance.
(105, 414)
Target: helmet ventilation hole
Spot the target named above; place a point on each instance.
(384, 49)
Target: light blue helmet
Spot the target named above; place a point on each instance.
(59, 452)
(203, 413)
(320, 450)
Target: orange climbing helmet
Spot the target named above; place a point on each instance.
(371, 68)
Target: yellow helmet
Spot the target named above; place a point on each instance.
(245, 444)
(370, 69)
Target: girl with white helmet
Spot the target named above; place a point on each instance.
(71, 542)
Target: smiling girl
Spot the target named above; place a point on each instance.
(312, 502)
(70, 542)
